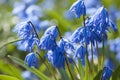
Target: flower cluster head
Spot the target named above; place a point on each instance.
(95, 28)
(78, 8)
(106, 73)
(32, 60)
(100, 21)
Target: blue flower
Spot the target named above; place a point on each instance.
(23, 29)
(52, 31)
(80, 53)
(57, 57)
(101, 21)
(76, 36)
(26, 33)
(106, 73)
(28, 44)
(32, 60)
(78, 8)
(36, 22)
(47, 42)
(82, 35)
(66, 45)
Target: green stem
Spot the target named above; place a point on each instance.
(68, 66)
(86, 46)
(76, 67)
(48, 66)
(99, 63)
(10, 42)
(92, 59)
(103, 55)
(66, 59)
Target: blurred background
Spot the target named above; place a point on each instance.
(50, 12)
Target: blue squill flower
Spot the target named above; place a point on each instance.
(28, 44)
(76, 36)
(23, 29)
(52, 31)
(47, 42)
(82, 35)
(57, 57)
(26, 33)
(66, 45)
(101, 21)
(32, 60)
(36, 22)
(80, 53)
(78, 8)
(106, 73)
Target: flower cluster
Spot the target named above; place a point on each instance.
(64, 50)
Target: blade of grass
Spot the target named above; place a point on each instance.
(32, 69)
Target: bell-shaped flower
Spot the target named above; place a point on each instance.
(52, 31)
(28, 44)
(57, 57)
(66, 45)
(80, 53)
(32, 60)
(101, 21)
(106, 73)
(47, 42)
(78, 8)
(23, 29)
(76, 36)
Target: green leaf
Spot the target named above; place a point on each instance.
(5, 77)
(10, 69)
(98, 76)
(63, 74)
(81, 70)
(116, 74)
(32, 69)
(86, 69)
